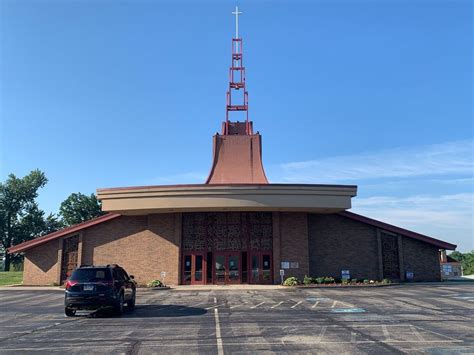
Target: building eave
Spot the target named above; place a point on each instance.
(227, 197)
(394, 229)
(61, 233)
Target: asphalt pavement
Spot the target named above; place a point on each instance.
(435, 319)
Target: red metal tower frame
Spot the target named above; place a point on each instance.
(237, 82)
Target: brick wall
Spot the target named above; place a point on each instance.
(143, 245)
(422, 259)
(41, 265)
(338, 243)
(293, 244)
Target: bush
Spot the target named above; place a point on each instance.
(386, 281)
(329, 280)
(308, 280)
(366, 281)
(291, 281)
(354, 281)
(155, 283)
(319, 280)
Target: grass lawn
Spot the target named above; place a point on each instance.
(11, 278)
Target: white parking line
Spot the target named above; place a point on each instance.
(277, 304)
(334, 304)
(417, 334)
(321, 334)
(315, 305)
(220, 348)
(296, 304)
(257, 305)
(385, 332)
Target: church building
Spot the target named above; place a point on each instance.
(236, 228)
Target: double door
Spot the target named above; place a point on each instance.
(261, 268)
(193, 269)
(227, 268)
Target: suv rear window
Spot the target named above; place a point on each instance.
(91, 275)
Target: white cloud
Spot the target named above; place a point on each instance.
(447, 217)
(436, 159)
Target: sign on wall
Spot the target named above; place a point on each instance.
(285, 264)
(345, 275)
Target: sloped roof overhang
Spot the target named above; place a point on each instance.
(397, 230)
(61, 233)
(227, 197)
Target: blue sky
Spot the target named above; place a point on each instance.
(122, 93)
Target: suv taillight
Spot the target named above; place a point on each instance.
(70, 283)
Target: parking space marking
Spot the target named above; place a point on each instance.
(220, 348)
(296, 304)
(334, 304)
(321, 334)
(278, 304)
(253, 307)
(315, 305)
(385, 332)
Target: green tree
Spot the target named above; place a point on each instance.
(78, 208)
(466, 260)
(20, 217)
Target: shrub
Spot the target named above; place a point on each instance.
(366, 281)
(319, 280)
(291, 281)
(345, 282)
(308, 280)
(386, 281)
(155, 283)
(354, 281)
(329, 280)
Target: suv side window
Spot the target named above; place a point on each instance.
(118, 275)
(125, 275)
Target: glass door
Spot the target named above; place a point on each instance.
(261, 268)
(193, 269)
(227, 268)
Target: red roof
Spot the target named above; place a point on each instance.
(77, 227)
(405, 232)
(48, 237)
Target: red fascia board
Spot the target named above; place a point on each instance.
(405, 232)
(111, 189)
(72, 229)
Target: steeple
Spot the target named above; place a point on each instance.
(236, 83)
(237, 151)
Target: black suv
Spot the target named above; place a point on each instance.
(94, 287)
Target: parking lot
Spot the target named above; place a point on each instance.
(436, 318)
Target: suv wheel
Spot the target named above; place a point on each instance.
(131, 303)
(119, 305)
(70, 312)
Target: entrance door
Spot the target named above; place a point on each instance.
(227, 268)
(193, 269)
(261, 268)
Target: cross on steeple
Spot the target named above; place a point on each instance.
(236, 13)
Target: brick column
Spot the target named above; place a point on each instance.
(178, 231)
(379, 253)
(60, 261)
(276, 246)
(400, 258)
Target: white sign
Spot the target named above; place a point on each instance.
(345, 275)
(285, 264)
(163, 274)
(294, 265)
(282, 272)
